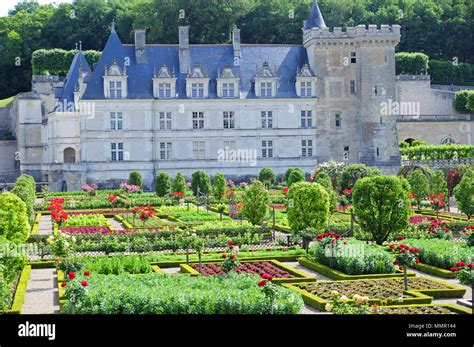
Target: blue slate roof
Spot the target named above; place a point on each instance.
(67, 92)
(284, 59)
(315, 19)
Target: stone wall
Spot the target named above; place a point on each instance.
(434, 132)
(9, 170)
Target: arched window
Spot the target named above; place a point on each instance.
(448, 141)
(69, 155)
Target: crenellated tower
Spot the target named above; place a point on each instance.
(356, 77)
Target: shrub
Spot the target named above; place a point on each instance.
(219, 186)
(445, 72)
(308, 206)
(164, 294)
(267, 176)
(464, 193)
(288, 173)
(256, 200)
(135, 179)
(381, 206)
(431, 152)
(25, 189)
(355, 258)
(461, 99)
(419, 186)
(296, 175)
(411, 63)
(354, 172)
(324, 180)
(200, 182)
(162, 184)
(179, 183)
(14, 225)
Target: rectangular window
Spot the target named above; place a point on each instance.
(197, 90)
(307, 119)
(199, 150)
(228, 90)
(229, 120)
(165, 120)
(306, 89)
(116, 121)
(165, 150)
(306, 148)
(267, 119)
(198, 120)
(116, 151)
(164, 90)
(115, 89)
(267, 149)
(338, 121)
(229, 145)
(266, 90)
(353, 57)
(353, 87)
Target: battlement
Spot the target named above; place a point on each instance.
(360, 31)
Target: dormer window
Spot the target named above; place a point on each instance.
(197, 90)
(115, 82)
(305, 82)
(227, 84)
(197, 84)
(164, 83)
(115, 90)
(266, 82)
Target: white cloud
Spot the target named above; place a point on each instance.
(7, 5)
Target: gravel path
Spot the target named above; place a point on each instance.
(45, 225)
(41, 293)
(115, 224)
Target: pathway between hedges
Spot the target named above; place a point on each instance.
(45, 225)
(41, 293)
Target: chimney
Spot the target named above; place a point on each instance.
(184, 54)
(236, 43)
(140, 52)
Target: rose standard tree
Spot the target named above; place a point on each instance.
(381, 206)
(308, 210)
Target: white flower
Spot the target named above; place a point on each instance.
(328, 307)
(66, 244)
(334, 293)
(400, 299)
(50, 239)
(344, 299)
(73, 239)
(358, 299)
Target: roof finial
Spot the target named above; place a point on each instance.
(76, 46)
(80, 46)
(113, 25)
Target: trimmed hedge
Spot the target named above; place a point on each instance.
(340, 276)
(58, 61)
(431, 152)
(20, 292)
(411, 63)
(447, 72)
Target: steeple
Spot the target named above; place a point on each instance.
(315, 19)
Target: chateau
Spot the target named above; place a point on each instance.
(233, 107)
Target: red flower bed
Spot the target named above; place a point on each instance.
(415, 220)
(78, 213)
(91, 230)
(257, 268)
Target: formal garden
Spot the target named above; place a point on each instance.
(343, 240)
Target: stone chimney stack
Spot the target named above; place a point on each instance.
(184, 54)
(236, 43)
(140, 51)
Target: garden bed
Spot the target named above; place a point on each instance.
(340, 276)
(164, 294)
(20, 291)
(422, 309)
(280, 272)
(422, 290)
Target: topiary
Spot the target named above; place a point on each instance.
(308, 206)
(179, 183)
(219, 186)
(200, 183)
(162, 184)
(135, 179)
(255, 203)
(14, 225)
(296, 175)
(266, 176)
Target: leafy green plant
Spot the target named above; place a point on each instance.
(267, 176)
(381, 206)
(162, 184)
(200, 183)
(419, 186)
(135, 179)
(219, 186)
(179, 183)
(308, 206)
(14, 225)
(163, 294)
(295, 176)
(255, 201)
(464, 193)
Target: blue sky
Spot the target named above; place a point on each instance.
(7, 5)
